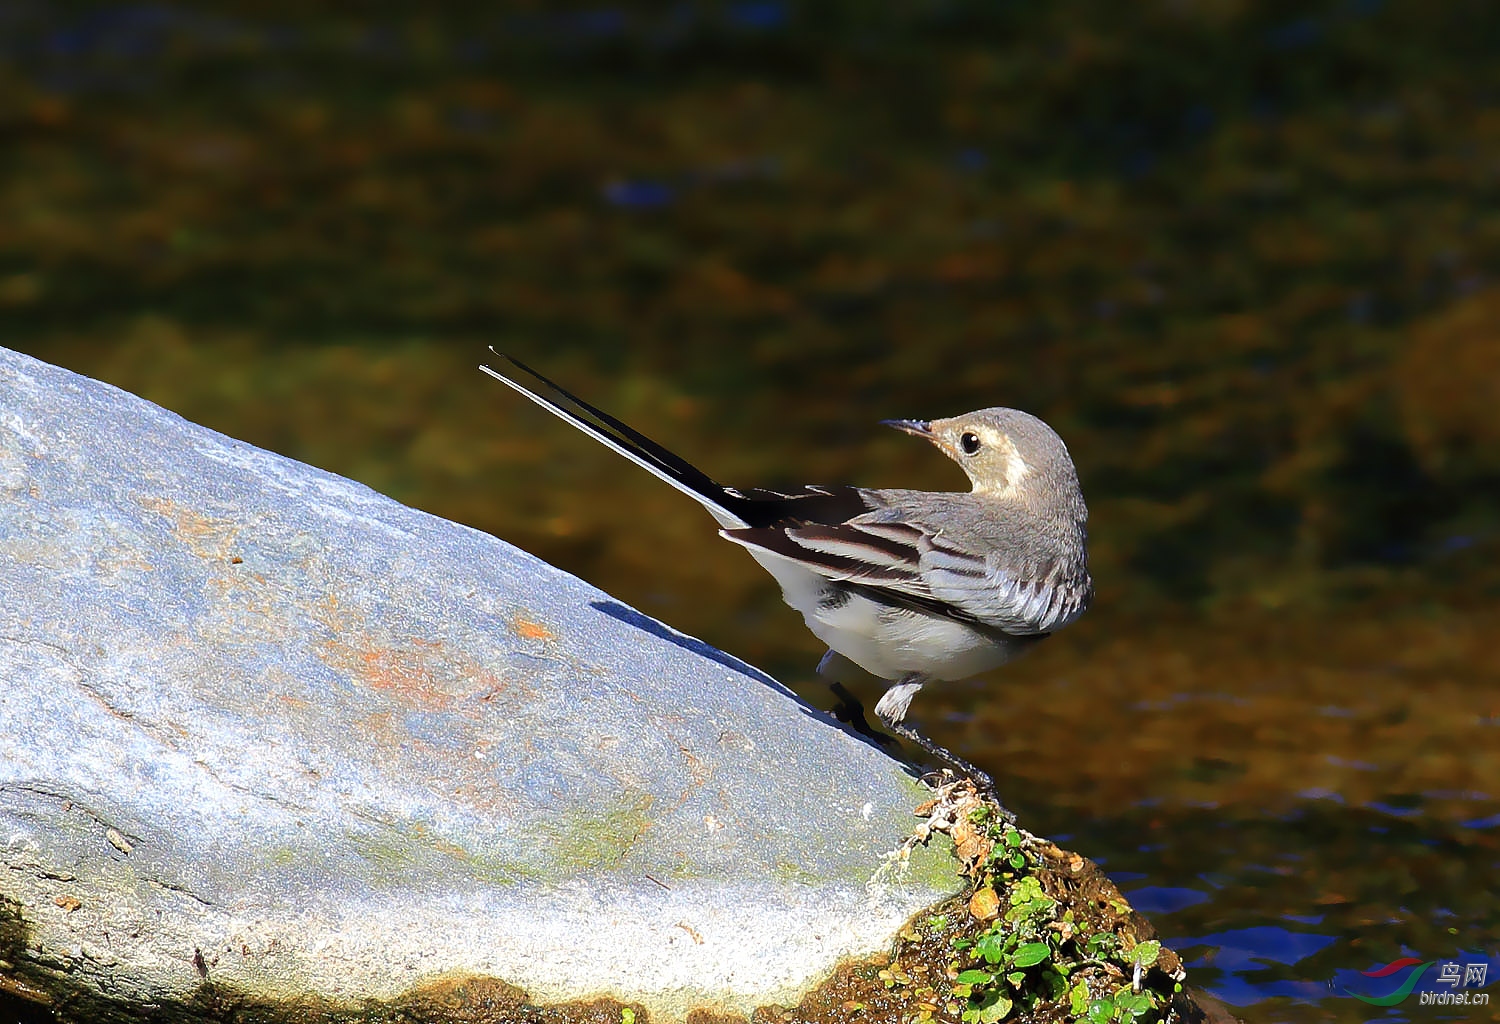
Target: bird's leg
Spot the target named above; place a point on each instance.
(852, 713)
(848, 709)
(891, 710)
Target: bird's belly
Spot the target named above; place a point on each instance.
(891, 642)
(885, 640)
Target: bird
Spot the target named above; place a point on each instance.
(911, 586)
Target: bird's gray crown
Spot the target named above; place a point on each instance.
(1006, 453)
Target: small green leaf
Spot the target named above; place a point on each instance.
(992, 946)
(1101, 1011)
(996, 1009)
(1145, 953)
(1016, 978)
(975, 977)
(1078, 998)
(1030, 954)
(627, 1015)
(1100, 944)
(1054, 984)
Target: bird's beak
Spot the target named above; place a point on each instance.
(918, 428)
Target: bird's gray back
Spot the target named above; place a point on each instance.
(996, 560)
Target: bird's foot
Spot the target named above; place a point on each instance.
(852, 713)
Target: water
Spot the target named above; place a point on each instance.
(1285, 821)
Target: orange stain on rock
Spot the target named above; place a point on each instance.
(420, 673)
(206, 536)
(403, 674)
(526, 629)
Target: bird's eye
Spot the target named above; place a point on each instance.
(969, 443)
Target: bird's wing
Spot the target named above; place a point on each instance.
(1024, 596)
(883, 556)
(905, 561)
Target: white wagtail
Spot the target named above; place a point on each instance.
(911, 586)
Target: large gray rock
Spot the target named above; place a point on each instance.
(262, 725)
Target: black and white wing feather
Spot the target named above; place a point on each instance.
(902, 561)
(1030, 598)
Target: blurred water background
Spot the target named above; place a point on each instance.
(1244, 257)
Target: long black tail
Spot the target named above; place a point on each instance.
(626, 440)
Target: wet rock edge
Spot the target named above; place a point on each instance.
(917, 980)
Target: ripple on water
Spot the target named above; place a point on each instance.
(1231, 964)
(1299, 901)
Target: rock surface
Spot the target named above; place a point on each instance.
(264, 727)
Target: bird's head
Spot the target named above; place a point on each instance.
(1006, 453)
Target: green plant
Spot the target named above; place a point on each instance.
(1034, 953)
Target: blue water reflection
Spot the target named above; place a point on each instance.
(1164, 899)
(1274, 926)
(1231, 965)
